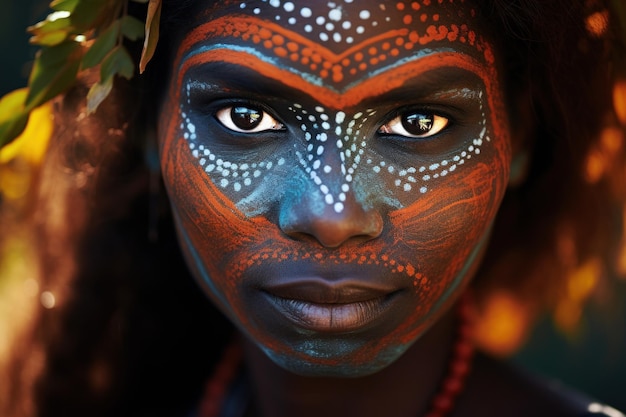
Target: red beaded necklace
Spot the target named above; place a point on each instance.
(443, 402)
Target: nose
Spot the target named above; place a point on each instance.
(309, 216)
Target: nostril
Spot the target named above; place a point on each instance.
(329, 228)
(334, 233)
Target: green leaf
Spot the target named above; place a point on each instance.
(66, 5)
(51, 24)
(50, 38)
(87, 12)
(119, 62)
(97, 93)
(54, 71)
(13, 116)
(152, 33)
(132, 28)
(102, 46)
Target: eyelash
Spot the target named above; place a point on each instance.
(405, 122)
(259, 120)
(408, 123)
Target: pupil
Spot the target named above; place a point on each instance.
(418, 123)
(246, 118)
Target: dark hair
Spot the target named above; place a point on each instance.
(133, 335)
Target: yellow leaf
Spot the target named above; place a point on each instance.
(33, 142)
(13, 115)
(152, 33)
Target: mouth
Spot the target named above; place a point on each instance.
(316, 305)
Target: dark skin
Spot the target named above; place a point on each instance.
(405, 388)
(334, 193)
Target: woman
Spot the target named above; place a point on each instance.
(336, 174)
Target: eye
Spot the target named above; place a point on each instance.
(415, 124)
(247, 119)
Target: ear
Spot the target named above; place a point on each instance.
(523, 124)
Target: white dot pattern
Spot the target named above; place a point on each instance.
(330, 137)
(331, 26)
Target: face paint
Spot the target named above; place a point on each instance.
(334, 170)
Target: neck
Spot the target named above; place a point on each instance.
(404, 388)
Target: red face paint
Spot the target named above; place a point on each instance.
(334, 171)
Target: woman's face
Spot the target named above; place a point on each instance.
(334, 168)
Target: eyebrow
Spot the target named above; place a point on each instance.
(377, 85)
(218, 77)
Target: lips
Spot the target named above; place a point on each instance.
(322, 306)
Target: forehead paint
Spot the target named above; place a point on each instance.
(337, 25)
(318, 62)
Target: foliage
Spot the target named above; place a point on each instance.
(78, 35)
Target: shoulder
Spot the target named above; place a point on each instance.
(495, 388)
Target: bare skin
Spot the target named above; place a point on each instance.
(334, 170)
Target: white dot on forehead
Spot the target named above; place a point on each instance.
(289, 6)
(364, 14)
(306, 12)
(335, 15)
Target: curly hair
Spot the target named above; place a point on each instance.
(133, 335)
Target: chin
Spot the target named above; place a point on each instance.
(337, 368)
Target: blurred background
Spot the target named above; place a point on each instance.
(584, 346)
